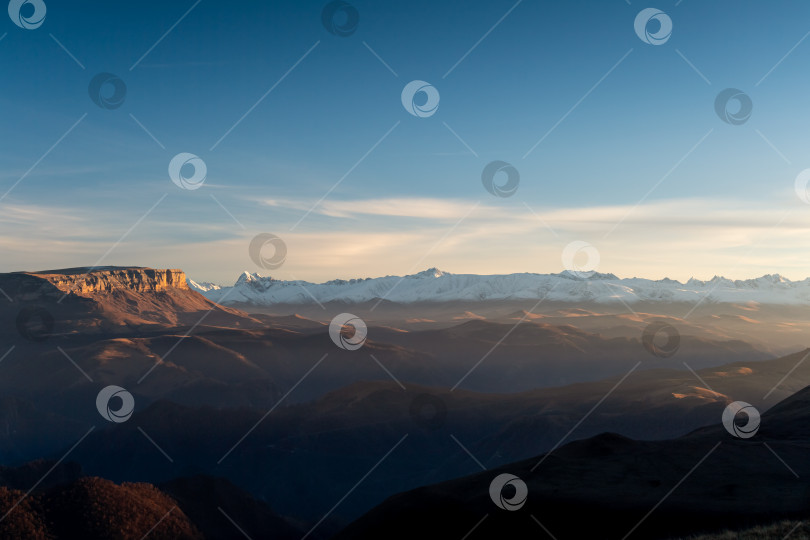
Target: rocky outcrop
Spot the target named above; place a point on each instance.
(84, 281)
(108, 299)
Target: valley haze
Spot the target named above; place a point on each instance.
(226, 397)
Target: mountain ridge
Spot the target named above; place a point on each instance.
(434, 285)
(626, 487)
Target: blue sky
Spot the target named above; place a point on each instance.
(723, 202)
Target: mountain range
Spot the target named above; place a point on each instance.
(434, 285)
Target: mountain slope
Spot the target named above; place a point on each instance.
(90, 301)
(67, 504)
(706, 480)
(94, 508)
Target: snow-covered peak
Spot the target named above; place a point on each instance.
(434, 285)
(432, 273)
(249, 277)
(772, 278)
(203, 286)
(580, 276)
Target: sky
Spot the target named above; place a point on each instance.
(303, 134)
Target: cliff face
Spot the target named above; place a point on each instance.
(107, 280)
(106, 299)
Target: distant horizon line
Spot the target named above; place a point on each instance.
(566, 274)
(577, 275)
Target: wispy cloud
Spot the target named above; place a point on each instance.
(371, 237)
(424, 208)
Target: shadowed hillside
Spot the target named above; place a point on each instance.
(68, 505)
(703, 481)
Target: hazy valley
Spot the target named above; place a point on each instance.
(271, 406)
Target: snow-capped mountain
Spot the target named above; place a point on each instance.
(433, 285)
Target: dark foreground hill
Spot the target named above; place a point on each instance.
(94, 508)
(67, 505)
(610, 486)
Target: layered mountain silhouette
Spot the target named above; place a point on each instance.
(610, 486)
(342, 434)
(266, 411)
